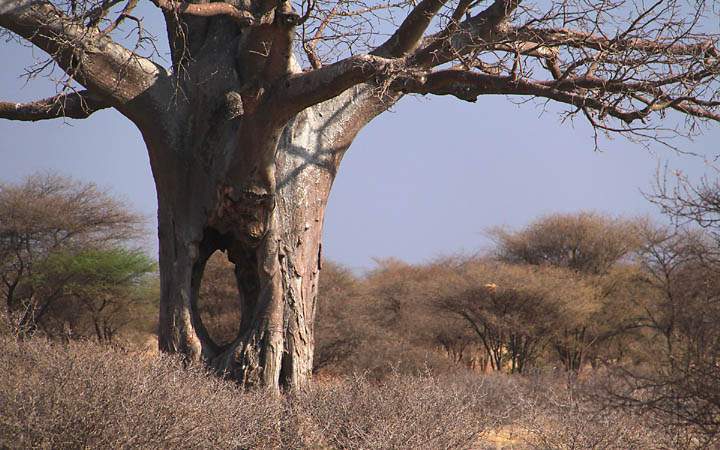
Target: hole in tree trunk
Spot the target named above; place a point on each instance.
(219, 300)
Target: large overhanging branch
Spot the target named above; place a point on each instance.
(469, 85)
(627, 74)
(75, 105)
(89, 57)
(625, 77)
(296, 92)
(490, 30)
(476, 35)
(398, 57)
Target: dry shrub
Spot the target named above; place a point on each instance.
(88, 396)
(383, 322)
(219, 299)
(401, 412)
(561, 412)
(585, 241)
(82, 395)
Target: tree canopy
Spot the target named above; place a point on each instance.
(617, 64)
(587, 242)
(62, 239)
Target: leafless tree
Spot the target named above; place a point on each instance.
(679, 378)
(687, 202)
(244, 144)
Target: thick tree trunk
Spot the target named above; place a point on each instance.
(218, 195)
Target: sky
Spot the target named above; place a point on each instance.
(423, 180)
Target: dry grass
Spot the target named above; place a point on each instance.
(87, 396)
(82, 395)
(400, 412)
(559, 416)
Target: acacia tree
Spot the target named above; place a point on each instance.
(592, 245)
(244, 144)
(586, 242)
(41, 218)
(91, 292)
(515, 311)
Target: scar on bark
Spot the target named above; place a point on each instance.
(243, 213)
(232, 106)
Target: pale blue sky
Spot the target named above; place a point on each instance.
(422, 180)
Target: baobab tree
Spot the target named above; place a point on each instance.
(247, 127)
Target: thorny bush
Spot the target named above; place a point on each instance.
(83, 395)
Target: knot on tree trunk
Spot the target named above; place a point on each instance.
(243, 212)
(233, 105)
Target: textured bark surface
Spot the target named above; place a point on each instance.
(239, 171)
(256, 190)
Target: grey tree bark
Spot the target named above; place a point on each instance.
(269, 223)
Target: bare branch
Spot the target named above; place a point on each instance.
(96, 14)
(124, 14)
(410, 33)
(76, 105)
(460, 38)
(125, 80)
(468, 86)
(579, 39)
(310, 47)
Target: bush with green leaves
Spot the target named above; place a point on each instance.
(93, 292)
(60, 239)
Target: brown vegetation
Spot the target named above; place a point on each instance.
(587, 242)
(247, 120)
(516, 311)
(219, 300)
(82, 395)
